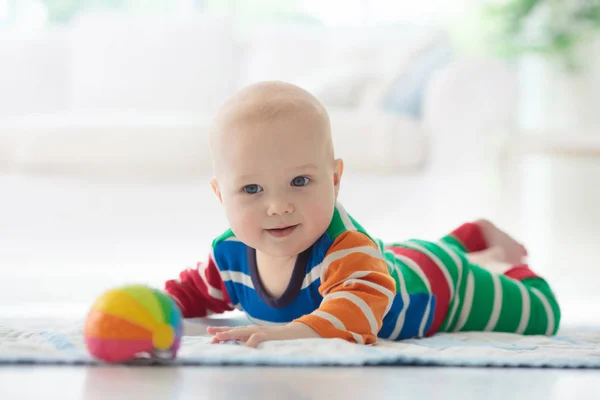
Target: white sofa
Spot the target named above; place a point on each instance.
(134, 96)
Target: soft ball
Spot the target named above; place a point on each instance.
(132, 320)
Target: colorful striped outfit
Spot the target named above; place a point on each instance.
(350, 285)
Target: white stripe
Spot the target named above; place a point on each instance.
(497, 307)
(201, 268)
(405, 303)
(313, 275)
(548, 308)
(355, 275)
(257, 321)
(355, 278)
(525, 308)
(335, 321)
(338, 324)
(232, 239)
(345, 218)
(403, 293)
(457, 260)
(417, 270)
(214, 292)
(238, 277)
(455, 301)
(436, 261)
(360, 303)
(425, 318)
(367, 250)
(375, 286)
(357, 338)
(467, 304)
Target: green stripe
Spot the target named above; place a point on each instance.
(336, 227)
(447, 325)
(443, 256)
(224, 236)
(391, 263)
(455, 244)
(412, 281)
(483, 300)
(512, 306)
(460, 287)
(447, 262)
(543, 287)
(450, 265)
(358, 226)
(538, 319)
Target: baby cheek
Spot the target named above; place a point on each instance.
(243, 221)
(321, 211)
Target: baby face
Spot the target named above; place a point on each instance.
(278, 183)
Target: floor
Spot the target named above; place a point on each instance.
(65, 240)
(268, 383)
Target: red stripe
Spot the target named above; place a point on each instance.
(186, 298)
(192, 294)
(471, 236)
(192, 277)
(520, 272)
(437, 281)
(213, 277)
(213, 304)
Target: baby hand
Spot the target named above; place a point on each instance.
(254, 335)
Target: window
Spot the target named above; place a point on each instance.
(4, 11)
(245, 13)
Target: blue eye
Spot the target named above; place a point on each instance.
(300, 181)
(252, 189)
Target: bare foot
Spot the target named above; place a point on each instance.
(514, 251)
(491, 254)
(493, 259)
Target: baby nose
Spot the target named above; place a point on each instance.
(280, 206)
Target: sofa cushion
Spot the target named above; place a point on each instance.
(33, 72)
(124, 62)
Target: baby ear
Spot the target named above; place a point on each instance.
(337, 174)
(215, 187)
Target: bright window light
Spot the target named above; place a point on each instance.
(3, 10)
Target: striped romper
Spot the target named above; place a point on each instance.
(352, 286)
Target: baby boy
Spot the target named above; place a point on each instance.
(297, 263)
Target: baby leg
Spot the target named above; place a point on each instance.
(500, 297)
(516, 300)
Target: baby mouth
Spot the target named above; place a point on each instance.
(282, 232)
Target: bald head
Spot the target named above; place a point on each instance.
(273, 160)
(264, 103)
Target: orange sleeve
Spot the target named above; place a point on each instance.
(357, 291)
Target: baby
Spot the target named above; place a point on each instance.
(297, 263)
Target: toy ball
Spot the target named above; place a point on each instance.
(128, 322)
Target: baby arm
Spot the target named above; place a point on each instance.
(357, 291)
(200, 291)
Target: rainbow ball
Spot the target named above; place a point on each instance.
(130, 321)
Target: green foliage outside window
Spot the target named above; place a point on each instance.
(552, 28)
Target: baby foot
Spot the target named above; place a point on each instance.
(514, 252)
(493, 259)
(491, 254)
